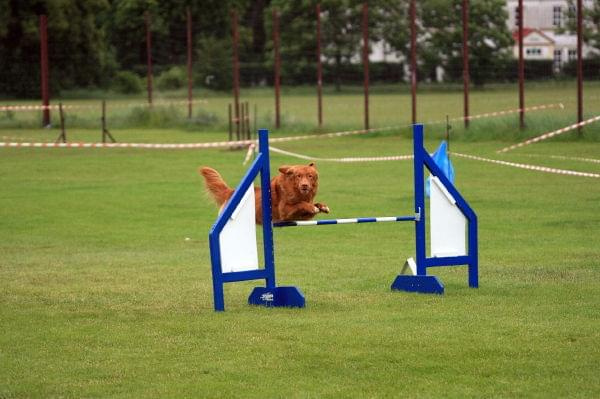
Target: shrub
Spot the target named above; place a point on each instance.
(126, 82)
(172, 79)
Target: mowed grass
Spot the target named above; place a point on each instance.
(390, 105)
(106, 285)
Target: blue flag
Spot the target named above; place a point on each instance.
(440, 157)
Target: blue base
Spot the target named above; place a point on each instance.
(422, 284)
(277, 297)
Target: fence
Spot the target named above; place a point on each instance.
(188, 56)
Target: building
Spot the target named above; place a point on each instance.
(543, 35)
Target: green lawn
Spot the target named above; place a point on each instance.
(102, 295)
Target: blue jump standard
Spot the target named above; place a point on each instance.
(289, 296)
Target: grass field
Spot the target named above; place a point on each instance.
(103, 295)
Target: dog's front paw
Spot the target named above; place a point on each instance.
(322, 207)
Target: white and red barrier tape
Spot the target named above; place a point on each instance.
(474, 157)
(563, 157)
(501, 113)
(90, 106)
(529, 167)
(550, 134)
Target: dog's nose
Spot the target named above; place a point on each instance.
(304, 186)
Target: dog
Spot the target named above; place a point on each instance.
(292, 192)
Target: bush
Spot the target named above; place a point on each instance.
(591, 69)
(214, 69)
(126, 82)
(172, 79)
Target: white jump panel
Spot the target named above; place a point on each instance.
(447, 223)
(238, 238)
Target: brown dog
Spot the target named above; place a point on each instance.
(292, 192)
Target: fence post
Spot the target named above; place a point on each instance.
(365, 29)
(465, 47)
(44, 70)
(277, 65)
(319, 69)
(521, 68)
(149, 56)
(236, 72)
(413, 58)
(189, 60)
(579, 64)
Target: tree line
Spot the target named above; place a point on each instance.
(99, 43)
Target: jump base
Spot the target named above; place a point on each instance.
(290, 297)
(422, 284)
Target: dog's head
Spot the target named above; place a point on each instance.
(303, 179)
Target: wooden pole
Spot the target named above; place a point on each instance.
(319, 69)
(365, 29)
(149, 57)
(277, 67)
(230, 123)
(579, 63)
(105, 132)
(189, 61)
(63, 134)
(521, 68)
(413, 58)
(465, 47)
(44, 70)
(236, 72)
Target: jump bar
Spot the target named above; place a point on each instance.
(347, 221)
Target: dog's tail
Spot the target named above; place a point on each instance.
(215, 185)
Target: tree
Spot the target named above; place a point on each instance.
(78, 53)
(591, 22)
(489, 38)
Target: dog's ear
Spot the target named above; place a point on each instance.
(283, 169)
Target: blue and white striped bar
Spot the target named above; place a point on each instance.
(348, 221)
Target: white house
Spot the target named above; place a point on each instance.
(542, 22)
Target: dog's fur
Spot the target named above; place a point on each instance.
(292, 192)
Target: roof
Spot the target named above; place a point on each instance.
(528, 31)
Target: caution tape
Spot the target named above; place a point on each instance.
(90, 106)
(548, 135)
(529, 167)
(563, 157)
(501, 113)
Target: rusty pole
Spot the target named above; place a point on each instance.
(189, 61)
(413, 58)
(149, 56)
(365, 29)
(521, 68)
(44, 70)
(277, 66)
(319, 69)
(579, 63)
(465, 47)
(236, 72)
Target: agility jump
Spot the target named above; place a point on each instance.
(234, 253)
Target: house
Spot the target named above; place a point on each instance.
(544, 34)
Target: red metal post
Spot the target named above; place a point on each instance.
(189, 61)
(319, 69)
(149, 56)
(365, 29)
(277, 65)
(236, 72)
(44, 70)
(465, 48)
(413, 58)
(521, 68)
(579, 63)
